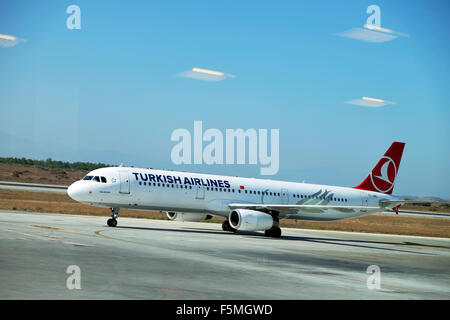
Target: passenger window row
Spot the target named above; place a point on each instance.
(267, 193)
(301, 196)
(168, 185)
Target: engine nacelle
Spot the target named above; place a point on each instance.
(250, 220)
(188, 216)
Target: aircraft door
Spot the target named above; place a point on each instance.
(124, 182)
(364, 199)
(200, 193)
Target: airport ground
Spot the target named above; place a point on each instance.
(160, 259)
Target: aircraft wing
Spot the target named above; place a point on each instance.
(292, 209)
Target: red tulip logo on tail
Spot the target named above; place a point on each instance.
(383, 175)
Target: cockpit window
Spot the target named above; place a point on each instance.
(88, 178)
(103, 179)
(96, 179)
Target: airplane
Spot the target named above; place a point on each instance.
(248, 204)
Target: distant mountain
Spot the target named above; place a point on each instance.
(12, 146)
(429, 198)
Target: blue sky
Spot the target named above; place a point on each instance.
(110, 91)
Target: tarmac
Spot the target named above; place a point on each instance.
(160, 259)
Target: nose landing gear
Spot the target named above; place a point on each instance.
(113, 221)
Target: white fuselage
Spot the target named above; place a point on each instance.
(185, 192)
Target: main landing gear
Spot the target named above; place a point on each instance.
(113, 221)
(275, 231)
(227, 227)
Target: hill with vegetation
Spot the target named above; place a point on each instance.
(53, 164)
(44, 171)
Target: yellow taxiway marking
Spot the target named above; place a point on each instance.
(46, 227)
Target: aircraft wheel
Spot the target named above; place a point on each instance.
(226, 226)
(274, 232)
(112, 222)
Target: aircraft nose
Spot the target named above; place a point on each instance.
(75, 191)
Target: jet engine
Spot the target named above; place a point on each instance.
(250, 220)
(188, 216)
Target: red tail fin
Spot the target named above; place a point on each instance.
(382, 177)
